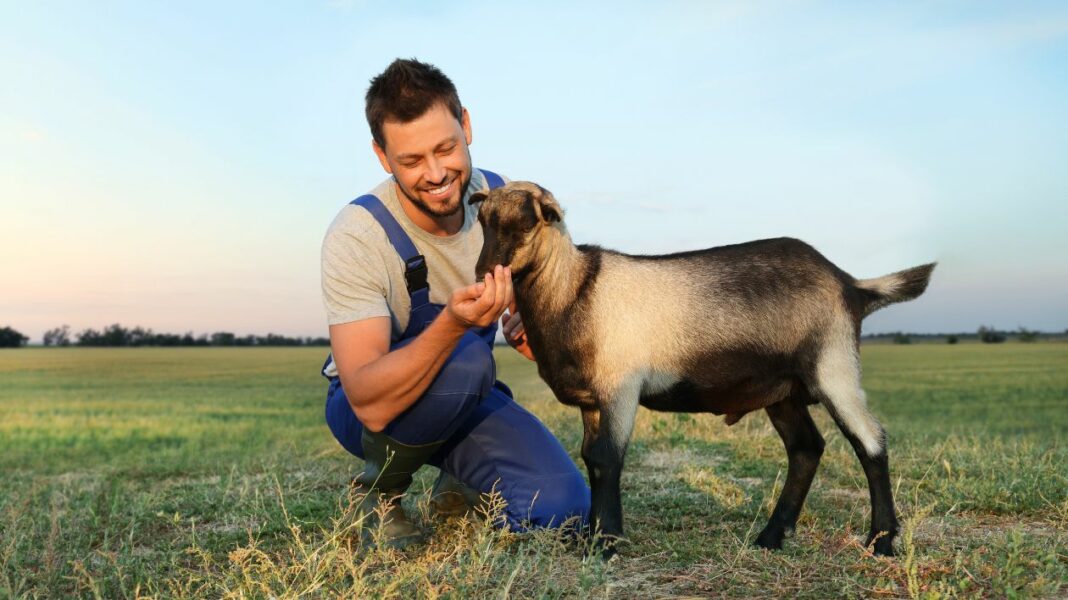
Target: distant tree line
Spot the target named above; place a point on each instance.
(117, 335)
(9, 338)
(986, 335)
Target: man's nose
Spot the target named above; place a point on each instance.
(436, 171)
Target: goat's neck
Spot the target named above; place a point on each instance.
(554, 278)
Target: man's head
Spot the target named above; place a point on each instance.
(421, 135)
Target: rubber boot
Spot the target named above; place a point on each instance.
(388, 469)
(451, 498)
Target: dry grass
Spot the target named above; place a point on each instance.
(209, 473)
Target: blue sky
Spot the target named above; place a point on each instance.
(175, 165)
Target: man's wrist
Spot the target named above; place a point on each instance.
(452, 323)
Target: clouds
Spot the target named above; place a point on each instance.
(887, 135)
(32, 136)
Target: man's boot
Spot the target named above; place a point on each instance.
(388, 470)
(451, 498)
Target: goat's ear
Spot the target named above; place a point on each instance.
(548, 206)
(476, 198)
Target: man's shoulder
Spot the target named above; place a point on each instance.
(355, 220)
(355, 228)
(351, 221)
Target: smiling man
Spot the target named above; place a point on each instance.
(412, 375)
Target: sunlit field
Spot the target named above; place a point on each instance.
(196, 473)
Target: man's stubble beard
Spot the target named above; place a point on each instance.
(428, 210)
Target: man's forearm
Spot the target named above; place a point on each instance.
(384, 388)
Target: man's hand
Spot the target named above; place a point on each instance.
(480, 304)
(514, 332)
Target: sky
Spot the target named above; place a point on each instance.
(175, 165)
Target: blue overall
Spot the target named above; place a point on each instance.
(491, 443)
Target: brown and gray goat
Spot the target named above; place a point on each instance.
(769, 324)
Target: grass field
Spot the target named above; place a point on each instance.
(210, 473)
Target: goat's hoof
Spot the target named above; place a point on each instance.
(605, 553)
(769, 542)
(606, 548)
(772, 537)
(881, 543)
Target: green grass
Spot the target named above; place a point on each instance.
(210, 473)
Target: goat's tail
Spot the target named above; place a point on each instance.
(895, 287)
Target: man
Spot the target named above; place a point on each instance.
(412, 372)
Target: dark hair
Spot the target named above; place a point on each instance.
(405, 91)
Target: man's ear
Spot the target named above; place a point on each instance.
(465, 123)
(548, 206)
(381, 154)
(477, 197)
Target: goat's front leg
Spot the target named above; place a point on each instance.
(604, 445)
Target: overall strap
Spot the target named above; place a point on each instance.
(493, 180)
(415, 271)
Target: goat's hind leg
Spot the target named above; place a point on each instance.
(804, 447)
(837, 386)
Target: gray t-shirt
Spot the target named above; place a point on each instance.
(363, 276)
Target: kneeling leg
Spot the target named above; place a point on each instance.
(503, 448)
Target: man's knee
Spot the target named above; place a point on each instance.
(557, 502)
(468, 370)
(467, 376)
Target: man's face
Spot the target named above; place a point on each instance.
(430, 160)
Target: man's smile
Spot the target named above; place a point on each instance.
(440, 192)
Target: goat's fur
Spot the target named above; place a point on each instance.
(770, 325)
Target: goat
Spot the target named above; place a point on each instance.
(769, 324)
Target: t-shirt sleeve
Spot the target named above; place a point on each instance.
(354, 280)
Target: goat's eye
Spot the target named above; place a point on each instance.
(528, 226)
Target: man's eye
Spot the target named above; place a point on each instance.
(445, 151)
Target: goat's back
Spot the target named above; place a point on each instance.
(766, 296)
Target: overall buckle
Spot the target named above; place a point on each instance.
(415, 273)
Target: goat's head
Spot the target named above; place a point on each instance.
(512, 217)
